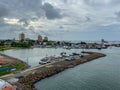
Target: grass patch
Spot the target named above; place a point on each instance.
(5, 67)
(2, 48)
(18, 68)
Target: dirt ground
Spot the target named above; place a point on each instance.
(10, 60)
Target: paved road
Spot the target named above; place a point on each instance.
(30, 70)
(27, 71)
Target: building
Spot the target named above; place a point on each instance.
(39, 38)
(6, 86)
(21, 37)
(45, 38)
(1, 62)
(10, 88)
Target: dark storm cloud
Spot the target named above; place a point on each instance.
(115, 2)
(65, 1)
(28, 9)
(89, 2)
(102, 2)
(3, 11)
(51, 12)
(88, 19)
(117, 14)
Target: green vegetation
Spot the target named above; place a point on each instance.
(2, 43)
(50, 42)
(5, 67)
(19, 67)
(67, 43)
(45, 40)
(82, 42)
(2, 48)
(22, 44)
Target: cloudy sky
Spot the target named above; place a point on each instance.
(60, 19)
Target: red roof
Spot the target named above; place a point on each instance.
(1, 62)
(9, 88)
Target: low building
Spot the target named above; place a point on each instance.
(6, 86)
(1, 62)
(10, 88)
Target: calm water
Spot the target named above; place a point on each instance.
(33, 56)
(101, 74)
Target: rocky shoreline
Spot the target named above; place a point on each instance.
(46, 71)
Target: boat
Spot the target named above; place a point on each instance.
(42, 62)
(75, 54)
(70, 59)
(99, 48)
(47, 60)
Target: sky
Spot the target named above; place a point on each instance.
(60, 19)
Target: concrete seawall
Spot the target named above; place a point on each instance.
(51, 69)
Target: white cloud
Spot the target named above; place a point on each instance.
(11, 21)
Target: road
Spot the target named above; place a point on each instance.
(27, 71)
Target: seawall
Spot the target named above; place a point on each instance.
(51, 69)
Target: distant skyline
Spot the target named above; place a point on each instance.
(60, 19)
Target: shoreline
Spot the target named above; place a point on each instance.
(7, 56)
(9, 60)
(46, 71)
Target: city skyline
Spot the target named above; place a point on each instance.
(60, 19)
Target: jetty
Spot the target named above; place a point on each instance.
(50, 69)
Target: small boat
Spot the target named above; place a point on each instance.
(70, 59)
(47, 60)
(75, 54)
(42, 62)
(99, 48)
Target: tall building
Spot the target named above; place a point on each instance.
(39, 38)
(45, 38)
(22, 37)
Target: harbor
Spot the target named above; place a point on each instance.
(36, 70)
(56, 65)
(59, 45)
(54, 68)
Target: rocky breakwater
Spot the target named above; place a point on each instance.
(51, 69)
